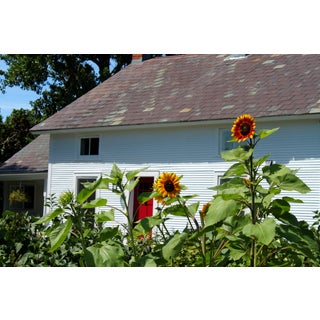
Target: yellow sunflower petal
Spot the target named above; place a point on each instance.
(168, 185)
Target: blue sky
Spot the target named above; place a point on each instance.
(14, 98)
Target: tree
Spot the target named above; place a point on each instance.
(14, 133)
(59, 79)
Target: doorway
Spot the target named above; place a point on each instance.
(144, 210)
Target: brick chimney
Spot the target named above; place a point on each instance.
(136, 58)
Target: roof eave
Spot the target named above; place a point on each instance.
(6, 175)
(271, 118)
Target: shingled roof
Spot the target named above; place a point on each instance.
(33, 158)
(189, 88)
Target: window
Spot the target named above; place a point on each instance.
(89, 147)
(21, 197)
(225, 137)
(80, 186)
(222, 180)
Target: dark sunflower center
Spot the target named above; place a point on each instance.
(169, 186)
(245, 129)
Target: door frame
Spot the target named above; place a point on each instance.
(144, 174)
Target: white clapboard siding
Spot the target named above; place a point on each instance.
(193, 152)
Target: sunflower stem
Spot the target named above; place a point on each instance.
(253, 205)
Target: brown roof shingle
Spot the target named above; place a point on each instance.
(32, 158)
(200, 87)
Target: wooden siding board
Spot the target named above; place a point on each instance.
(192, 152)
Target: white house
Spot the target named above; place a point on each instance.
(175, 113)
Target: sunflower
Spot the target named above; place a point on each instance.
(205, 209)
(168, 185)
(243, 128)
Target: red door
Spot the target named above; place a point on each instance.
(141, 211)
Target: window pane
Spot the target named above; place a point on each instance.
(29, 191)
(94, 146)
(226, 137)
(84, 150)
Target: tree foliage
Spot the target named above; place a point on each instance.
(59, 79)
(14, 133)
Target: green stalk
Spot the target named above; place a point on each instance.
(131, 237)
(253, 206)
(77, 215)
(203, 243)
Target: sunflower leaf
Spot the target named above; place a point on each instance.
(265, 132)
(174, 246)
(237, 169)
(238, 154)
(221, 209)
(131, 174)
(263, 232)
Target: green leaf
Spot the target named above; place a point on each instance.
(234, 224)
(147, 260)
(104, 255)
(233, 194)
(233, 183)
(108, 233)
(263, 232)
(59, 234)
(132, 184)
(116, 173)
(238, 154)
(193, 208)
(221, 209)
(293, 200)
(88, 190)
(171, 249)
(176, 210)
(103, 184)
(267, 132)
(99, 202)
(291, 182)
(132, 174)
(189, 197)
(236, 251)
(18, 246)
(104, 216)
(144, 197)
(279, 207)
(275, 170)
(301, 238)
(237, 169)
(284, 178)
(259, 161)
(49, 216)
(145, 225)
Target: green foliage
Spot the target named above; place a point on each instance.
(15, 133)
(263, 232)
(103, 254)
